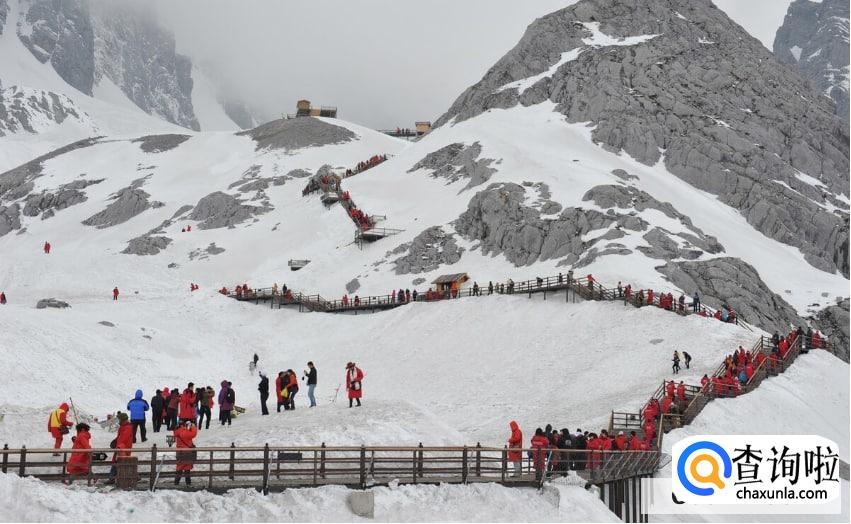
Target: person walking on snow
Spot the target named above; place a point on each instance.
(676, 360)
(354, 380)
(2, 298)
(58, 424)
(263, 388)
(183, 439)
(137, 408)
(115, 293)
(47, 248)
(157, 408)
(279, 390)
(227, 398)
(687, 358)
(515, 442)
(311, 375)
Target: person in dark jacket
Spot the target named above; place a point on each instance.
(687, 358)
(310, 374)
(202, 400)
(171, 409)
(227, 398)
(157, 408)
(137, 408)
(263, 388)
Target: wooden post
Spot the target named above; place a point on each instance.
(210, 478)
(315, 462)
(232, 459)
(266, 469)
(322, 461)
(420, 461)
(504, 467)
(478, 459)
(152, 475)
(414, 465)
(363, 467)
(5, 457)
(464, 465)
(23, 465)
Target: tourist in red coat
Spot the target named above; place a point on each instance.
(186, 407)
(649, 430)
(81, 463)
(354, 383)
(183, 439)
(633, 441)
(681, 391)
(515, 443)
(669, 389)
(620, 441)
(666, 404)
(540, 444)
(122, 444)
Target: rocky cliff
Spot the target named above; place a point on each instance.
(677, 81)
(86, 41)
(814, 40)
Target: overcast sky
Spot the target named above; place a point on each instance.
(384, 63)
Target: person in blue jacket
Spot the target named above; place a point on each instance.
(137, 407)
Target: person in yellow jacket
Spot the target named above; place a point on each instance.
(58, 424)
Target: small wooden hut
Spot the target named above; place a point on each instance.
(446, 282)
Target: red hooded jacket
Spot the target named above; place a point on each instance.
(515, 442)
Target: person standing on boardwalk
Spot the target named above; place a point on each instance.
(515, 443)
(137, 408)
(354, 380)
(263, 388)
(311, 375)
(183, 437)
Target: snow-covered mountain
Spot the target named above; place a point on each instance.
(115, 52)
(656, 144)
(814, 39)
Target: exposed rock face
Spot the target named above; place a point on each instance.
(10, 218)
(52, 303)
(139, 56)
(146, 245)
(298, 133)
(24, 109)
(222, 210)
(4, 11)
(160, 143)
(814, 40)
(733, 284)
(426, 252)
(126, 204)
(85, 41)
(457, 161)
(239, 113)
(61, 33)
(203, 254)
(834, 322)
(352, 285)
(688, 81)
(47, 203)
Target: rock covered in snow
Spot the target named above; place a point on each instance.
(160, 143)
(61, 33)
(48, 202)
(126, 204)
(834, 322)
(52, 303)
(4, 10)
(298, 133)
(733, 284)
(814, 40)
(146, 245)
(680, 77)
(34, 110)
(426, 252)
(457, 161)
(222, 210)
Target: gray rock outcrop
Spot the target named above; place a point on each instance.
(10, 218)
(729, 118)
(147, 244)
(160, 143)
(457, 161)
(298, 133)
(814, 40)
(126, 204)
(51, 303)
(48, 202)
(426, 252)
(733, 284)
(27, 109)
(4, 10)
(222, 210)
(203, 254)
(833, 321)
(352, 285)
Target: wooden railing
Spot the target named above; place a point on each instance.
(275, 467)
